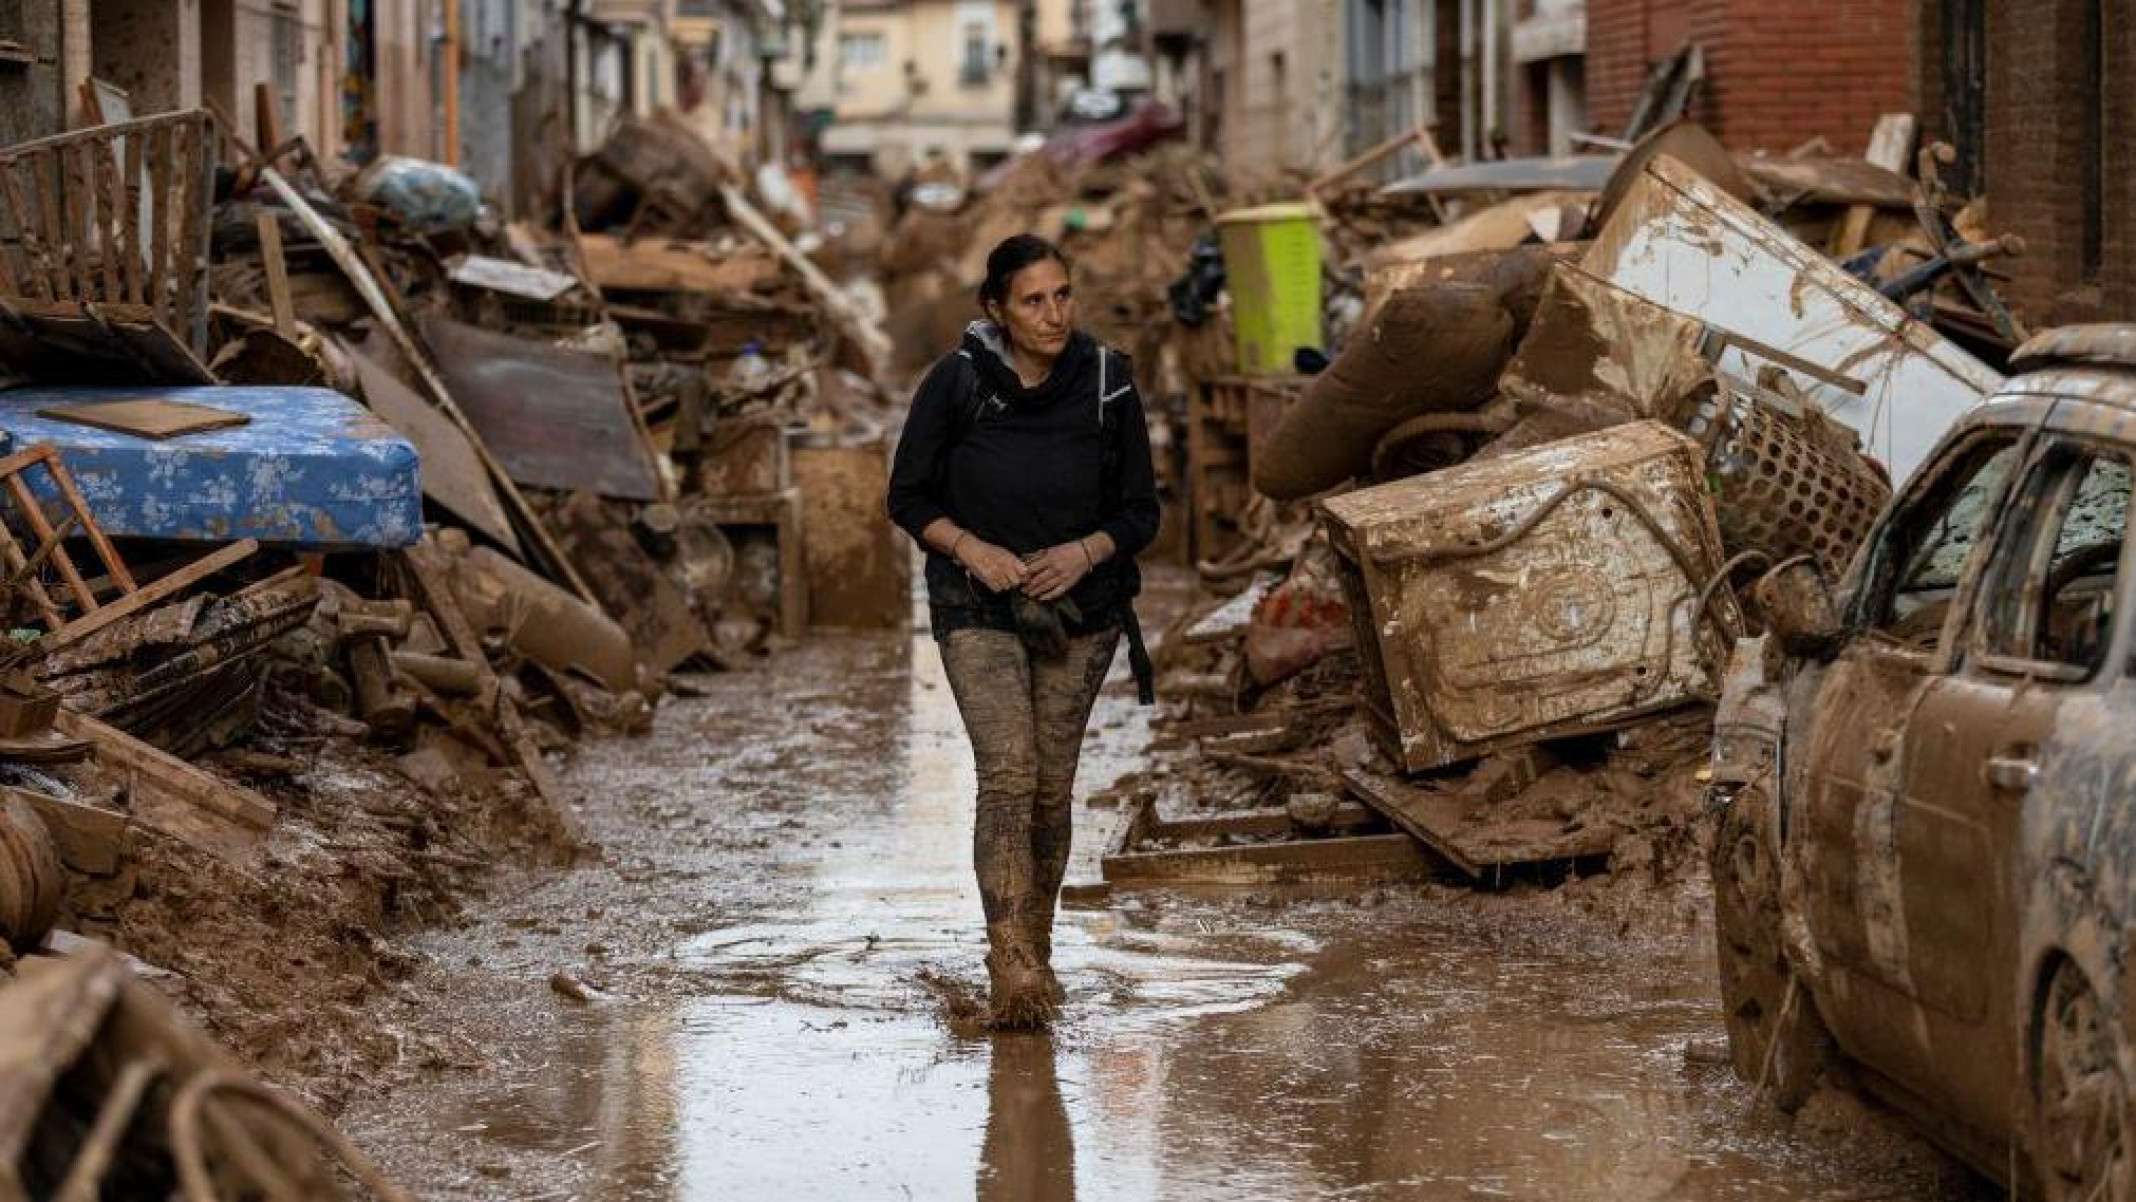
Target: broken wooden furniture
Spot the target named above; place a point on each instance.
(307, 468)
(186, 675)
(1536, 595)
(106, 1091)
(1258, 847)
(1227, 420)
(110, 223)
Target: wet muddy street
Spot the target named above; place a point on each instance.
(783, 913)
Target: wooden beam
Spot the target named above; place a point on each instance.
(147, 595)
(1890, 147)
(118, 750)
(285, 313)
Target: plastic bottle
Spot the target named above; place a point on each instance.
(750, 369)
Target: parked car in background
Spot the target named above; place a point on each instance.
(1927, 774)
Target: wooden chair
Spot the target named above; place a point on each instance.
(112, 221)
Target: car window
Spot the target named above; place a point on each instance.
(1922, 553)
(2050, 591)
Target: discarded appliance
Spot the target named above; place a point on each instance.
(1534, 595)
(1686, 245)
(312, 468)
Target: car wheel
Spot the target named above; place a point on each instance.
(1776, 1038)
(2081, 1117)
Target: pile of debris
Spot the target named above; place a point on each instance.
(337, 505)
(1514, 516)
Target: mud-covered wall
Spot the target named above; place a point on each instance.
(29, 79)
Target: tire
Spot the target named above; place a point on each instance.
(1776, 1038)
(2082, 1134)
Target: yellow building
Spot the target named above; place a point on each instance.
(905, 80)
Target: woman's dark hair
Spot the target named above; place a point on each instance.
(1012, 255)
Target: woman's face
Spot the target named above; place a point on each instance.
(1039, 311)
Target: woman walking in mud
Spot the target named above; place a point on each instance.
(1024, 472)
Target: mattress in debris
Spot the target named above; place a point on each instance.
(308, 467)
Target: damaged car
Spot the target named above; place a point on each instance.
(1927, 788)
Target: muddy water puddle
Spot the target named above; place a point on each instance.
(787, 868)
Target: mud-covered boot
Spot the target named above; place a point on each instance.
(1042, 950)
(1019, 994)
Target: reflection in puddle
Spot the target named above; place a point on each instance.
(1413, 1048)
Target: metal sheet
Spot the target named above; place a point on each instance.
(1682, 243)
(1576, 172)
(555, 418)
(313, 468)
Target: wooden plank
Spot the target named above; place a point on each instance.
(189, 313)
(136, 152)
(44, 174)
(39, 267)
(1371, 857)
(285, 314)
(111, 197)
(160, 183)
(1463, 827)
(12, 554)
(1423, 815)
(78, 203)
(1890, 147)
(89, 839)
(114, 566)
(118, 750)
(153, 417)
(382, 308)
(148, 594)
(1261, 822)
(435, 595)
(33, 513)
(266, 120)
(453, 475)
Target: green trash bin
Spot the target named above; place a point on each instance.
(1272, 268)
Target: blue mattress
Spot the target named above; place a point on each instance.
(312, 469)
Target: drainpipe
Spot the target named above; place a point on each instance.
(73, 59)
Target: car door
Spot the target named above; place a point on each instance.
(2036, 638)
(1908, 608)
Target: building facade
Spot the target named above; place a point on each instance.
(903, 82)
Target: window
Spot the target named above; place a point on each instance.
(1921, 554)
(2050, 594)
(862, 51)
(975, 68)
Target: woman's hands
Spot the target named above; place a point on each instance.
(997, 569)
(1055, 570)
(1044, 576)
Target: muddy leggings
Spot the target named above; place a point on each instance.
(1025, 716)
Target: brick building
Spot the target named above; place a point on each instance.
(1777, 75)
(2038, 99)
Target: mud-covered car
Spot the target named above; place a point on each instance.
(1926, 773)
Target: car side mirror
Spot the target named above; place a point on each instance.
(1797, 604)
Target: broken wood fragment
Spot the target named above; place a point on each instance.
(122, 752)
(285, 312)
(90, 840)
(147, 595)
